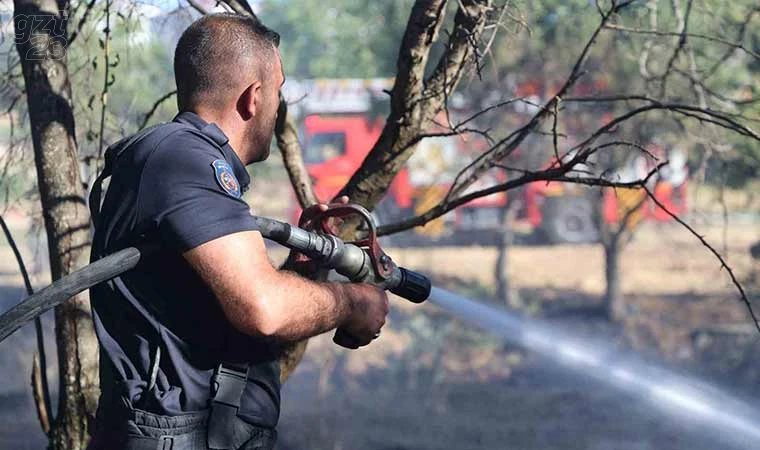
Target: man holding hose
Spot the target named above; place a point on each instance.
(190, 338)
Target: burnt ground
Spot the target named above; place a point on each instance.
(20, 428)
(536, 408)
(451, 389)
(413, 404)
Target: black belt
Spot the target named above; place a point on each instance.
(122, 427)
(147, 431)
(224, 426)
(226, 391)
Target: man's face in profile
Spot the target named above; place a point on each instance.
(262, 128)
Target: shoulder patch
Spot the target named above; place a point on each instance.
(226, 178)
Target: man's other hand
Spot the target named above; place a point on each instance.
(298, 262)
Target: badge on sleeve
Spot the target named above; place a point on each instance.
(226, 178)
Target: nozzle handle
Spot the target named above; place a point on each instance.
(413, 286)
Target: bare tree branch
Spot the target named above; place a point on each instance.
(718, 118)
(683, 24)
(82, 21)
(551, 174)
(646, 98)
(506, 146)
(732, 48)
(39, 386)
(723, 263)
(287, 141)
(558, 171)
(717, 39)
(155, 107)
(198, 7)
(240, 7)
(490, 108)
(424, 23)
(415, 102)
(468, 27)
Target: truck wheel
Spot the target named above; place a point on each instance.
(568, 220)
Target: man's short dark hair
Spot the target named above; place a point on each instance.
(215, 52)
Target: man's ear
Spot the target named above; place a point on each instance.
(250, 100)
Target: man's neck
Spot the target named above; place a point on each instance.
(230, 128)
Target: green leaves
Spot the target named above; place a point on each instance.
(347, 39)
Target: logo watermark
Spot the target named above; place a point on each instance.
(44, 35)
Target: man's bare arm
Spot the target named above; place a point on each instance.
(259, 300)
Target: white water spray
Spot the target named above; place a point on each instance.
(677, 394)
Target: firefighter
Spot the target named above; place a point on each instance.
(190, 339)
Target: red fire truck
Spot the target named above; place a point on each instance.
(338, 130)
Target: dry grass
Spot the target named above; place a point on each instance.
(663, 259)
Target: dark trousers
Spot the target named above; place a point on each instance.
(135, 429)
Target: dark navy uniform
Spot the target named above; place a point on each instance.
(162, 333)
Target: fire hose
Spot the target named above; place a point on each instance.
(361, 260)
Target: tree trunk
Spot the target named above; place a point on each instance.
(501, 271)
(613, 297)
(40, 27)
(287, 141)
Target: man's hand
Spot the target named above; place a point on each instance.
(369, 304)
(369, 308)
(297, 261)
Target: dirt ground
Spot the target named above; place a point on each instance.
(430, 382)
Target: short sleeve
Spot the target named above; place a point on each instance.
(182, 192)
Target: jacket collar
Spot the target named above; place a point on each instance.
(217, 135)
